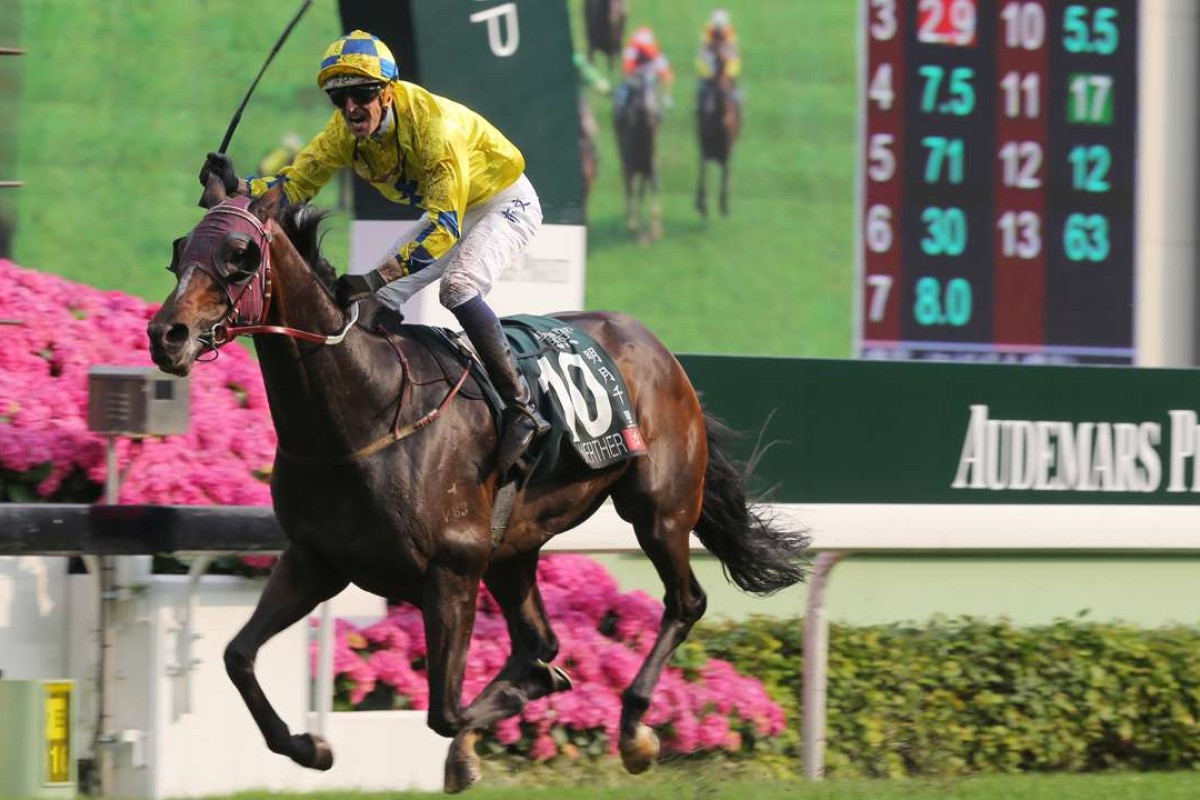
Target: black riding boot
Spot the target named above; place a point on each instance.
(521, 422)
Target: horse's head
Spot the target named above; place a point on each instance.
(223, 280)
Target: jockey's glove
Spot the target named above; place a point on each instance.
(352, 288)
(220, 165)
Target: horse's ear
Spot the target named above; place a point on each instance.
(214, 191)
(267, 205)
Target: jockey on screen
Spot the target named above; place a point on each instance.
(643, 53)
(417, 148)
(719, 36)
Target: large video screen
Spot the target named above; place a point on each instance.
(110, 162)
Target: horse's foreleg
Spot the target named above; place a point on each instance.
(702, 189)
(448, 609)
(656, 214)
(725, 187)
(297, 584)
(631, 213)
(527, 675)
(665, 541)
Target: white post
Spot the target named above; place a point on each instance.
(106, 580)
(816, 659)
(1168, 169)
(324, 687)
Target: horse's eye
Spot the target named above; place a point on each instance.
(243, 255)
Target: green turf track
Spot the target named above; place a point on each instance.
(121, 99)
(1163, 786)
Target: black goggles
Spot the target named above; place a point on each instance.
(361, 94)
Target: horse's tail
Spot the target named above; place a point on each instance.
(758, 555)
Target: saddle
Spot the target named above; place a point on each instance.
(572, 379)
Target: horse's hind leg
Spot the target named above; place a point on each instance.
(299, 581)
(664, 538)
(656, 215)
(702, 189)
(631, 213)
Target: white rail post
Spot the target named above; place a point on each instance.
(816, 660)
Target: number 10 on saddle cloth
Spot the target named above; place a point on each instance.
(578, 388)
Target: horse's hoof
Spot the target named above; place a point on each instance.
(560, 681)
(462, 765)
(312, 751)
(639, 751)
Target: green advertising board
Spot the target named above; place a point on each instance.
(915, 432)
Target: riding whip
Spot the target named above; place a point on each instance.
(237, 116)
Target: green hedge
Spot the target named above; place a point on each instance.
(959, 696)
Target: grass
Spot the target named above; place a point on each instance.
(696, 785)
(121, 99)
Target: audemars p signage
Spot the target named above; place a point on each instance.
(938, 433)
(1091, 456)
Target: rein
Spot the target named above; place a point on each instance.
(295, 333)
(240, 323)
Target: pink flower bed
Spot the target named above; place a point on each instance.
(64, 329)
(604, 636)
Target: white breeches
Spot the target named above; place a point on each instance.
(493, 234)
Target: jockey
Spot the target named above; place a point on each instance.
(719, 36)
(643, 52)
(417, 148)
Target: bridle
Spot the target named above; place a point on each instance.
(248, 289)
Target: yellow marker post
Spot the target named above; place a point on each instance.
(37, 753)
(58, 731)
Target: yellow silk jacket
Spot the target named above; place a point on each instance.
(436, 154)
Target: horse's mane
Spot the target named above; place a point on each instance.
(302, 224)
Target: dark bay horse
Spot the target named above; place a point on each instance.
(604, 21)
(385, 476)
(718, 120)
(636, 117)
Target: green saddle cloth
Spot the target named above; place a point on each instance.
(578, 389)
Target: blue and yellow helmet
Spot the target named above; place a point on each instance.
(358, 57)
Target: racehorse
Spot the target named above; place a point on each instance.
(636, 118)
(589, 158)
(385, 476)
(718, 119)
(605, 24)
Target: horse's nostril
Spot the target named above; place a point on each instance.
(177, 334)
(166, 335)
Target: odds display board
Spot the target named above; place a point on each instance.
(998, 167)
